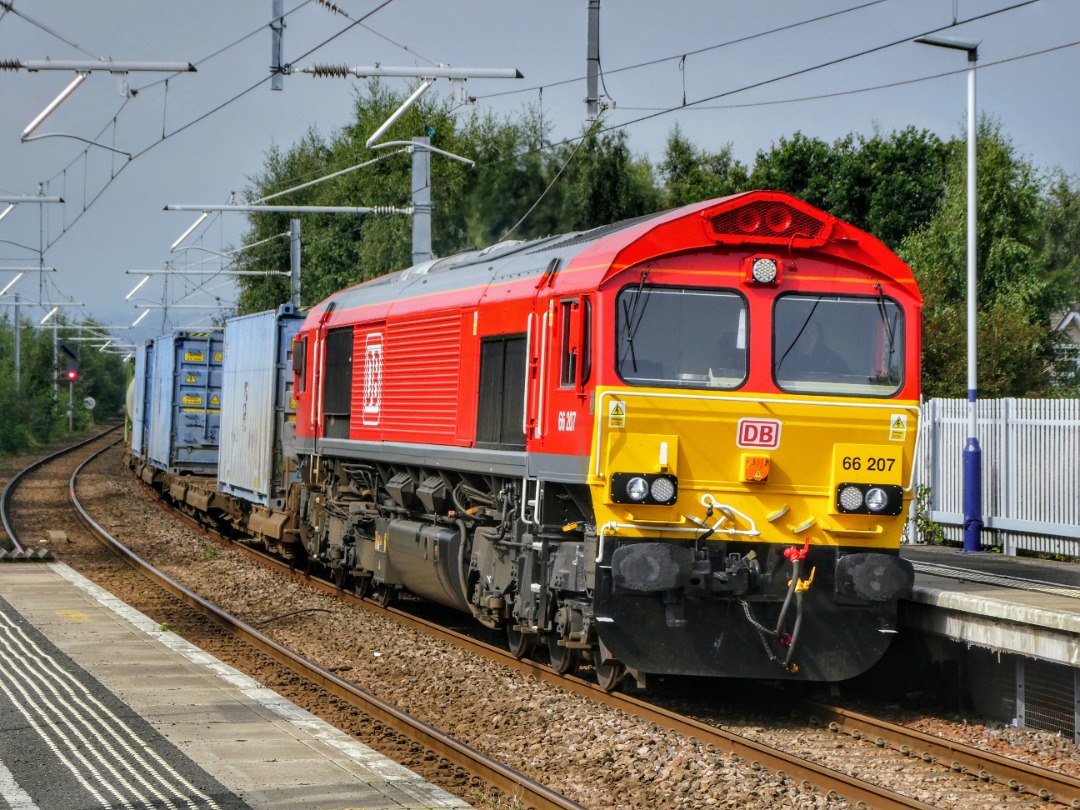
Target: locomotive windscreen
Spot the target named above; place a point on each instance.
(838, 345)
(679, 336)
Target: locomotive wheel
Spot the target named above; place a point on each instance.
(520, 643)
(608, 675)
(563, 659)
(383, 595)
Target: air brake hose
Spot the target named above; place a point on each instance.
(795, 633)
(787, 599)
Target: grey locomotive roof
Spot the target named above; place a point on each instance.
(503, 262)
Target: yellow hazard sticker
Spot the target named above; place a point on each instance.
(217, 357)
(190, 378)
(898, 427)
(194, 357)
(616, 415)
(215, 400)
(191, 399)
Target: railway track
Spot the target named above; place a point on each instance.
(10, 546)
(495, 777)
(978, 779)
(985, 776)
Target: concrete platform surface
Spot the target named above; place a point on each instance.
(100, 708)
(1018, 605)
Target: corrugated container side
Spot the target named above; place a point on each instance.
(186, 409)
(140, 410)
(257, 459)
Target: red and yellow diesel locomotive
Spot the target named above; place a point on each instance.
(677, 444)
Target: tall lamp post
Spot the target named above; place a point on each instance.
(973, 521)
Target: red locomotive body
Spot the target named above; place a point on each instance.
(625, 444)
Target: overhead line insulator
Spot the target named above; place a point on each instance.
(337, 71)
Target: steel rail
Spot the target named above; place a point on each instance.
(531, 794)
(986, 765)
(13, 484)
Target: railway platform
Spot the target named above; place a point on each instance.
(1014, 604)
(100, 708)
(1008, 626)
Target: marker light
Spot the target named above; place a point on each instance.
(637, 488)
(762, 270)
(876, 499)
(851, 498)
(662, 489)
(869, 499)
(647, 489)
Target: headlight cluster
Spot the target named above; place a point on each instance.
(654, 489)
(762, 269)
(869, 499)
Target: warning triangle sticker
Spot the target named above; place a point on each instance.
(214, 400)
(616, 409)
(190, 378)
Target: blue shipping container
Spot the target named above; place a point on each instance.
(185, 412)
(140, 405)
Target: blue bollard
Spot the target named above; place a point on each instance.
(973, 521)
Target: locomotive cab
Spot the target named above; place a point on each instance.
(752, 451)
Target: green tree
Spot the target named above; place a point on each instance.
(1018, 288)
(691, 174)
(521, 187)
(603, 183)
(888, 185)
(35, 413)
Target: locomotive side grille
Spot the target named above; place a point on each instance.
(421, 374)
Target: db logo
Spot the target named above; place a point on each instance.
(759, 433)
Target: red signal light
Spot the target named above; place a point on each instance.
(778, 218)
(72, 375)
(748, 220)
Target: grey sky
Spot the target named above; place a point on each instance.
(109, 226)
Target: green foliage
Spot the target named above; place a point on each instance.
(907, 188)
(691, 174)
(523, 187)
(927, 531)
(886, 185)
(1018, 287)
(35, 413)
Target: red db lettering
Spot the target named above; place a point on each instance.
(764, 433)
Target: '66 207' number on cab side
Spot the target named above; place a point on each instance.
(870, 464)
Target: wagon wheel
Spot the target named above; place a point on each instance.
(341, 577)
(563, 659)
(362, 586)
(383, 595)
(608, 675)
(520, 643)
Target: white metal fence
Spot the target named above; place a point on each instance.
(1030, 472)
